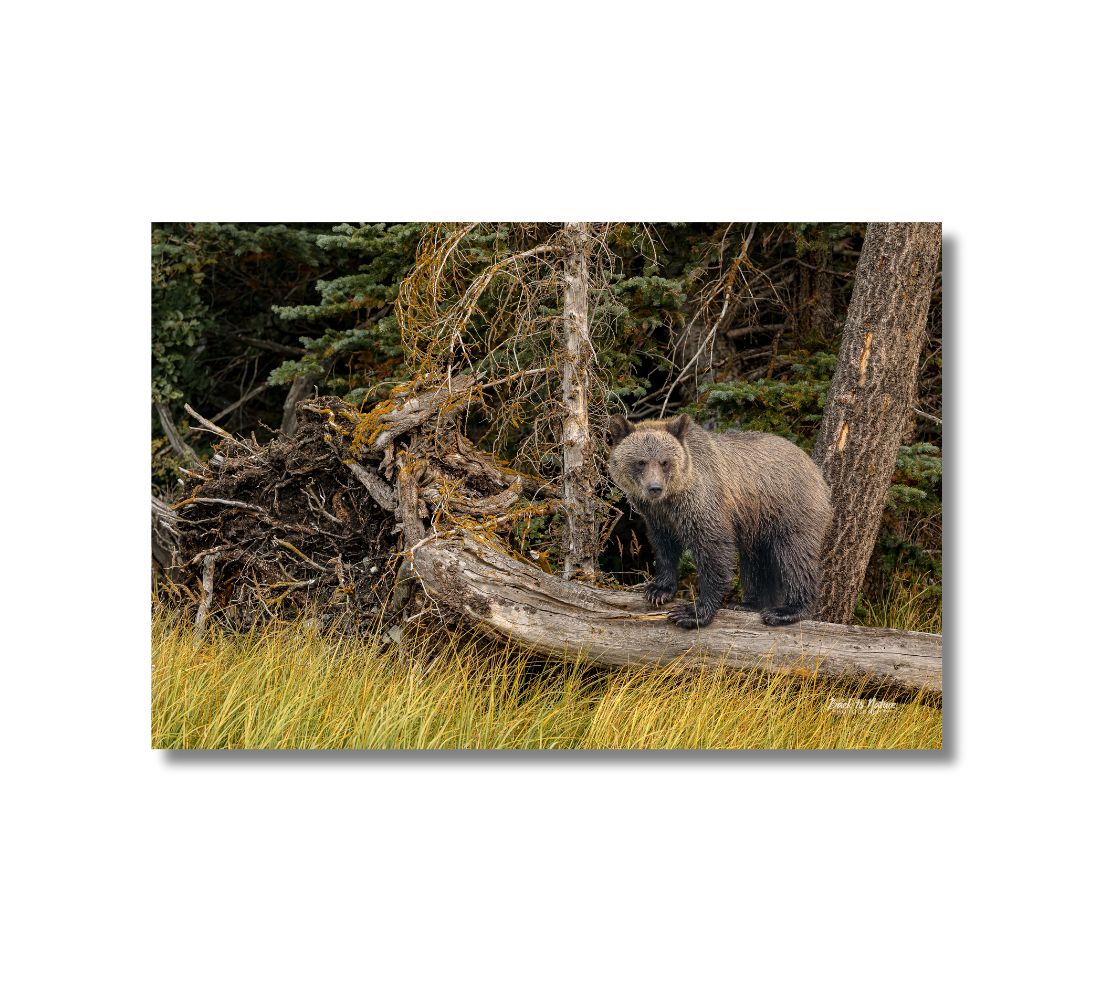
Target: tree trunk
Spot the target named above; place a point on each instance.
(870, 399)
(581, 535)
(510, 597)
(814, 309)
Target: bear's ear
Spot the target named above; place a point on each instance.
(678, 426)
(618, 428)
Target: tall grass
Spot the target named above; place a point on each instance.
(908, 605)
(294, 686)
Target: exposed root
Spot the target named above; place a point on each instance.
(324, 518)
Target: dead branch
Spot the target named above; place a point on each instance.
(251, 394)
(219, 500)
(214, 428)
(268, 345)
(208, 564)
(726, 285)
(165, 536)
(377, 488)
(174, 438)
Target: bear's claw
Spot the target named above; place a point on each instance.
(657, 596)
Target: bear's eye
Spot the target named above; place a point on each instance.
(665, 464)
(642, 464)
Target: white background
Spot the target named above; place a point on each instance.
(987, 870)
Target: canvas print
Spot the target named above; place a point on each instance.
(546, 486)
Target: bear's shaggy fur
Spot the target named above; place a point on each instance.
(740, 494)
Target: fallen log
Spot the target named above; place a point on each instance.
(477, 580)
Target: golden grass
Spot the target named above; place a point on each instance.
(294, 686)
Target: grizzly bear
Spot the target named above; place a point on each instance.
(741, 493)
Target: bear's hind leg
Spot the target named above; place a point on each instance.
(796, 559)
(758, 575)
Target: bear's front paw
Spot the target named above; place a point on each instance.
(657, 595)
(689, 616)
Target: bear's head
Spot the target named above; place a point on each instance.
(649, 460)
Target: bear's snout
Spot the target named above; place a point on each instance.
(654, 489)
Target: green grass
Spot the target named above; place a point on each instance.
(290, 685)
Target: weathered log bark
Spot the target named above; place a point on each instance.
(507, 596)
(870, 399)
(581, 535)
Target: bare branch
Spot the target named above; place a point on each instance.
(174, 438)
(214, 428)
(727, 284)
(251, 394)
(268, 345)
